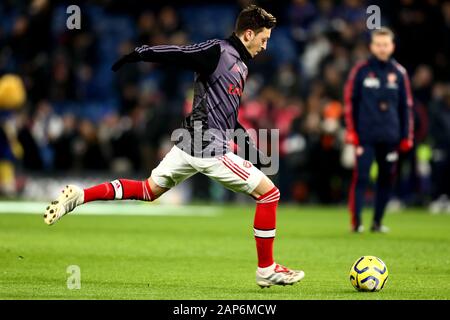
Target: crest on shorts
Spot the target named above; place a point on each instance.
(247, 164)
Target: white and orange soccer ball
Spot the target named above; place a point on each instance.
(368, 273)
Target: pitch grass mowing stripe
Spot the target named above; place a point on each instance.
(114, 208)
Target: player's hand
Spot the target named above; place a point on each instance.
(351, 137)
(405, 145)
(131, 57)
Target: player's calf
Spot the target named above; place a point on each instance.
(264, 226)
(268, 272)
(120, 189)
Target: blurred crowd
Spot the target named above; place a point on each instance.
(81, 117)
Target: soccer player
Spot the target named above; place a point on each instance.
(379, 120)
(220, 74)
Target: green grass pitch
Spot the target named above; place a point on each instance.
(214, 257)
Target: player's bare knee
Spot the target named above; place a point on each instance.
(273, 195)
(157, 190)
(265, 186)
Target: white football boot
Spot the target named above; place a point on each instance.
(279, 276)
(358, 229)
(71, 197)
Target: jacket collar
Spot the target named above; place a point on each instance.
(373, 60)
(240, 48)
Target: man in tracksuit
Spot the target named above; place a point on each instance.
(220, 75)
(378, 104)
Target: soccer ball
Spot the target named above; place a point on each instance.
(368, 273)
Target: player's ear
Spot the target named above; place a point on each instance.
(249, 34)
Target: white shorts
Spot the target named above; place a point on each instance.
(230, 170)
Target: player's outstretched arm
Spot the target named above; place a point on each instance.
(129, 58)
(202, 57)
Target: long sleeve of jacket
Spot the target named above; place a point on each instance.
(406, 115)
(201, 57)
(351, 98)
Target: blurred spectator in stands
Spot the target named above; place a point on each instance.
(412, 22)
(45, 124)
(63, 144)
(87, 88)
(82, 46)
(87, 148)
(126, 81)
(359, 52)
(298, 159)
(353, 12)
(408, 187)
(440, 135)
(338, 56)
(311, 127)
(332, 79)
(301, 15)
(30, 40)
(283, 114)
(326, 14)
(10, 152)
(126, 143)
(422, 84)
(286, 80)
(442, 47)
(12, 98)
(62, 87)
(32, 159)
(147, 27)
(171, 30)
(169, 22)
(317, 48)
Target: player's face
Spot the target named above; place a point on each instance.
(257, 41)
(382, 47)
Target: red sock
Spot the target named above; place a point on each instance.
(264, 226)
(118, 190)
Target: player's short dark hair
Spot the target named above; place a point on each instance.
(254, 18)
(383, 31)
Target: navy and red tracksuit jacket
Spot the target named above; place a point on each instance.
(378, 103)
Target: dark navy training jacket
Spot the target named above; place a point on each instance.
(378, 102)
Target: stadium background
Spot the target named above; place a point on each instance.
(83, 123)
